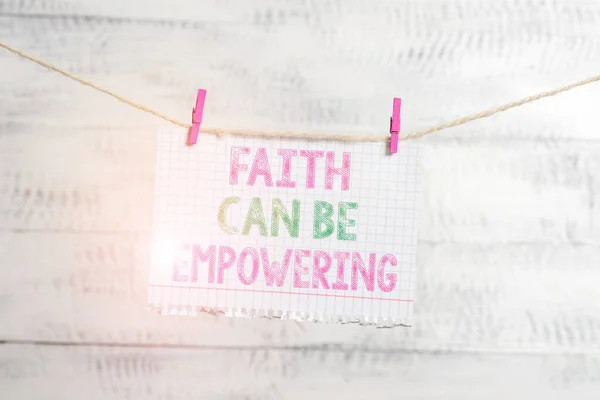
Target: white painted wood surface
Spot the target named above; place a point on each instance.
(509, 260)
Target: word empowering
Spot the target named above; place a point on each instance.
(275, 273)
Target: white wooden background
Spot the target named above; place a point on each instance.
(509, 258)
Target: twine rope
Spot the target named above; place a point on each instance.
(308, 135)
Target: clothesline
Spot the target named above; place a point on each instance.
(346, 137)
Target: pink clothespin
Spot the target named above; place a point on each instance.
(197, 117)
(395, 125)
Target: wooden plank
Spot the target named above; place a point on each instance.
(97, 154)
(499, 194)
(444, 75)
(102, 180)
(93, 288)
(550, 19)
(73, 180)
(510, 224)
(101, 373)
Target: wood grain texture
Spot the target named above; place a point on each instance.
(48, 372)
(101, 180)
(465, 303)
(508, 262)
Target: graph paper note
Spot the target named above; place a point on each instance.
(321, 230)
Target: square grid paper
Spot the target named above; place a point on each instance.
(192, 182)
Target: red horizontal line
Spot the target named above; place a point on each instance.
(276, 292)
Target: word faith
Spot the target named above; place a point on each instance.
(262, 168)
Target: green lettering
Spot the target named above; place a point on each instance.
(255, 216)
(323, 219)
(292, 224)
(222, 217)
(344, 223)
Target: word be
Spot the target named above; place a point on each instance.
(323, 225)
(220, 260)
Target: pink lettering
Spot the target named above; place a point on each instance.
(319, 271)
(300, 269)
(341, 256)
(234, 163)
(202, 256)
(224, 262)
(275, 272)
(260, 166)
(392, 277)
(248, 251)
(359, 266)
(179, 265)
(287, 155)
(330, 170)
(311, 165)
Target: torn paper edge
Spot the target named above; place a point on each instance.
(253, 313)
